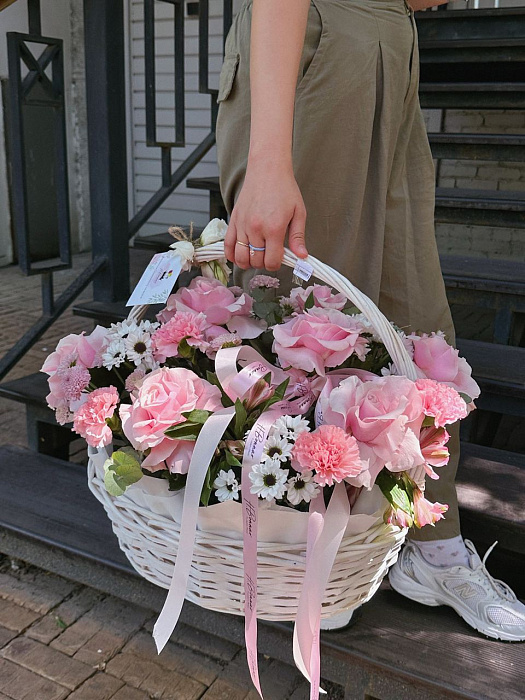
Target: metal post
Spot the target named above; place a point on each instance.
(106, 122)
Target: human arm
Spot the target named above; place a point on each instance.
(270, 202)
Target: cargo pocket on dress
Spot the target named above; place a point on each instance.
(227, 76)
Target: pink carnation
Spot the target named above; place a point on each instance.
(184, 325)
(425, 512)
(74, 350)
(318, 339)
(164, 395)
(74, 381)
(438, 360)
(329, 451)
(91, 418)
(219, 304)
(135, 379)
(442, 402)
(384, 414)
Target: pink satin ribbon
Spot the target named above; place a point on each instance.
(325, 529)
(325, 532)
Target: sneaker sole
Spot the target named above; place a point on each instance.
(407, 587)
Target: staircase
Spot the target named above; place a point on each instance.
(470, 59)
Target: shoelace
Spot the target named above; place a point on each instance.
(500, 587)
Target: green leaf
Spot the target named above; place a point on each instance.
(262, 309)
(258, 293)
(466, 398)
(231, 460)
(240, 418)
(207, 487)
(212, 378)
(310, 302)
(184, 431)
(428, 422)
(60, 622)
(197, 416)
(185, 350)
(121, 470)
(395, 491)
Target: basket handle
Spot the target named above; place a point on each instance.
(393, 342)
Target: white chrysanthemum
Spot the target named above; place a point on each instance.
(301, 487)
(389, 370)
(268, 480)
(121, 330)
(139, 347)
(115, 354)
(148, 326)
(226, 485)
(277, 449)
(290, 427)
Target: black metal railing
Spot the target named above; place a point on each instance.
(106, 121)
(171, 180)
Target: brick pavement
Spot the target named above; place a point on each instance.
(20, 307)
(62, 640)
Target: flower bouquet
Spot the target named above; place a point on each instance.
(262, 454)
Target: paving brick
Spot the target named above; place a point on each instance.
(128, 693)
(277, 679)
(203, 642)
(6, 636)
(38, 591)
(114, 616)
(20, 684)
(174, 658)
(98, 687)
(101, 647)
(47, 662)
(153, 679)
(14, 617)
(54, 623)
(224, 690)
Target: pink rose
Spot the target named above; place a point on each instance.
(163, 396)
(323, 298)
(440, 361)
(330, 452)
(441, 402)
(77, 349)
(91, 418)
(184, 325)
(318, 339)
(384, 415)
(220, 305)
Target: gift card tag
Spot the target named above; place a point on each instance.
(158, 279)
(303, 270)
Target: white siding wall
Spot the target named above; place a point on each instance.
(184, 205)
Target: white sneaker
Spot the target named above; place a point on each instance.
(485, 603)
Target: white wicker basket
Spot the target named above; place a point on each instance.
(145, 520)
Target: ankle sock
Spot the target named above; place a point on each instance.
(450, 552)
